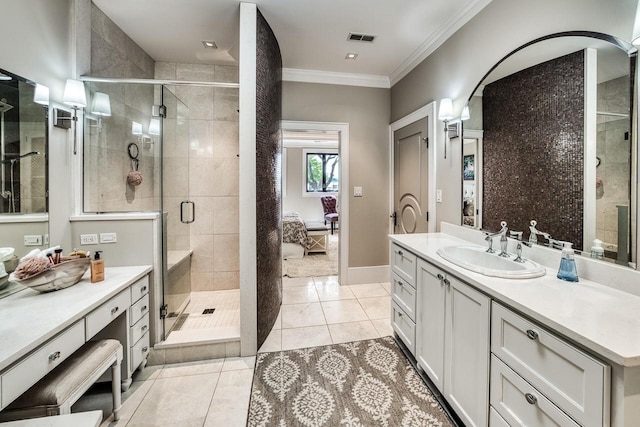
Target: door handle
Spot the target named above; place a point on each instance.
(193, 211)
(395, 219)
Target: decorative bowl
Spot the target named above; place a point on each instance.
(59, 276)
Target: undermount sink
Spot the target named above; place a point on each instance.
(476, 258)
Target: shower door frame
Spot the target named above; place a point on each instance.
(158, 324)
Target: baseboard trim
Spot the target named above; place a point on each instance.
(363, 275)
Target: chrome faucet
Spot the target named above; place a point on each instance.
(518, 236)
(503, 240)
(533, 236)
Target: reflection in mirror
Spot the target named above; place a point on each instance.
(550, 139)
(23, 167)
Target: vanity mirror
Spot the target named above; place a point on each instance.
(552, 138)
(23, 164)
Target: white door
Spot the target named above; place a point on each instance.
(411, 178)
(430, 324)
(466, 377)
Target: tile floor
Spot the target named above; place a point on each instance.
(315, 311)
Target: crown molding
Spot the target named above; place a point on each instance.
(335, 78)
(446, 30)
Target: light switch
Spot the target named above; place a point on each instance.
(439, 196)
(108, 237)
(357, 191)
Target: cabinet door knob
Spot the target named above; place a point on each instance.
(143, 289)
(114, 310)
(144, 328)
(54, 356)
(447, 282)
(400, 253)
(144, 349)
(400, 283)
(399, 314)
(440, 276)
(531, 398)
(143, 308)
(533, 335)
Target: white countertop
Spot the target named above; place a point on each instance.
(29, 318)
(603, 320)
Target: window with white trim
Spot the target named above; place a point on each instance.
(321, 171)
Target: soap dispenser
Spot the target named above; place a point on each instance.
(97, 268)
(567, 269)
(597, 251)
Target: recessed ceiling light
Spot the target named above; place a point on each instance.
(209, 44)
(352, 56)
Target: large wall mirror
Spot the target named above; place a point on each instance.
(551, 138)
(23, 165)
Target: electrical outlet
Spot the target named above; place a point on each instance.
(357, 191)
(108, 237)
(33, 239)
(439, 196)
(88, 239)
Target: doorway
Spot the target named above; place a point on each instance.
(317, 143)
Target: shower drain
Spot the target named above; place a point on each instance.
(208, 311)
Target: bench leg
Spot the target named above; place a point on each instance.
(115, 390)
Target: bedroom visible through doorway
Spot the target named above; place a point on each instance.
(311, 182)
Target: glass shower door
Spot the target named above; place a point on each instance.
(178, 210)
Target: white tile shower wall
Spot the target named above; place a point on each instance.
(204, 166)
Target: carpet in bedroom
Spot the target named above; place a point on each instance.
(361, 383)
(315, 264)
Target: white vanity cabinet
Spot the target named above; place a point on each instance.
(452, 341)
(445, 324)
(403, 295)
(536, 375)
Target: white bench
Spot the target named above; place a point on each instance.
(62, 387)
(78, 419)
(319, 233)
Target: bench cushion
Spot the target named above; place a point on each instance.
(315, 226)
(64, 380)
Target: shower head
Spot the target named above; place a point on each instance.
(4, 107)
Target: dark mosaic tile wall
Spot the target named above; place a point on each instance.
(268, 188)
(533, 125)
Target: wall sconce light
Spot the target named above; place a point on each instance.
(101, 105)
(445, 113)
(154, 127)
(41, 95)
(75, 97)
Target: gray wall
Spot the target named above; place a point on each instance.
(458, 65)
(367, 112)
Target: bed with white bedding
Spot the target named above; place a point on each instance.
(295, 239)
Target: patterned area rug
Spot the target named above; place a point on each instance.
(363, 383)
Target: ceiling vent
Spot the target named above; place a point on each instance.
(354, 37)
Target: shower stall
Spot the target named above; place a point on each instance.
(171, 147)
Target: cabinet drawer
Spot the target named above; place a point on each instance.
(140, 289)
(495, 420)
(573, 380)
(30, 369)
(519, 403)
(139, 351)
(403, 263)
(404, 295)
(103, 315)
(138, 310)
(404, 327)
(139, 329)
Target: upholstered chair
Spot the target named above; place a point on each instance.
(330, 212)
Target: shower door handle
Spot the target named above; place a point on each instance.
(193, 211)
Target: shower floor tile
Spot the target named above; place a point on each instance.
(226, 313)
